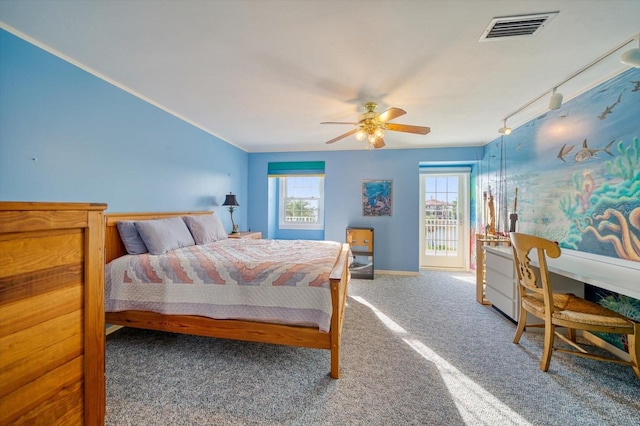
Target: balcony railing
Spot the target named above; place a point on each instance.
(299, 219)
(441, 237)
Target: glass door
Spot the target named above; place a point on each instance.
(444, 220)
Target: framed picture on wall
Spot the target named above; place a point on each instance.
(377, 197)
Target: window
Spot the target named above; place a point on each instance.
(296, 198)
(301, 202)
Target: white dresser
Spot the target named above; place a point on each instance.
(500, 280)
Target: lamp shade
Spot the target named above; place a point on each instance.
(230, 200)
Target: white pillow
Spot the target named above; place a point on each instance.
(205, 228)
(162, 235)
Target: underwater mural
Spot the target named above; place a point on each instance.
(576, 171)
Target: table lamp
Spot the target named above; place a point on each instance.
(231, 202)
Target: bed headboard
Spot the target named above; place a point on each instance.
(113, 246)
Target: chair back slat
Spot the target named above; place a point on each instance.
(522, 245)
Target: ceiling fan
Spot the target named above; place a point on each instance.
(373, 125)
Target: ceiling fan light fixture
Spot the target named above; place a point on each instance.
(373, 126)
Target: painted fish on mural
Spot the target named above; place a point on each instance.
(586, 153)
(608, 110)
(565, 150)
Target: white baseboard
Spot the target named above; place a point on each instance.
(442, 268)
(405, 273)
(415, 274)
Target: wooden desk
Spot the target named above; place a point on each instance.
(617, 275)
(569, 273)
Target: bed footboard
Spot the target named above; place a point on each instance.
(339, 283)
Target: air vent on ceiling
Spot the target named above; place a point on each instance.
(509, 27)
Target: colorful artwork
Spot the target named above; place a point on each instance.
(376, 197)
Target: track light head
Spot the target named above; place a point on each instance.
(631, 57)
(556, 100)
(504, 130)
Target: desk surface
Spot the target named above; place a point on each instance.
(620, 276)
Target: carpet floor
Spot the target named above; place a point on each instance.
(415, 350)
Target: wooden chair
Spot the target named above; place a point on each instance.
(564, 310)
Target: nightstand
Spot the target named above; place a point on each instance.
(247, 235)
(361, 242)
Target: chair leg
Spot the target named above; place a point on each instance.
(571, 334)
(633, 341)
(549, 336)
(521, 323)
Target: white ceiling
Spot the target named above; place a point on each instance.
(263, 74)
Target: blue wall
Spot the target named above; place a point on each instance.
(396, 236)
(66, 135)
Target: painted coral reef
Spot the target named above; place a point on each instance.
(608, 212)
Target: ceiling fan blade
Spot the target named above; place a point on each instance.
(343, 136)
(408, 128)
(390, 114)
(379, 143)
(337, 122)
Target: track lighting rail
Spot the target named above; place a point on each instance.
(575, 74)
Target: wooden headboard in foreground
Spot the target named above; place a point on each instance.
(113, 246)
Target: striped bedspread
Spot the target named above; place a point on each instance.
(279, 281)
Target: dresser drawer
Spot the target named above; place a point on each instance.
(500, 283)
(500, 264)
(501, 302)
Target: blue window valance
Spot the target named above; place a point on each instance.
(296, 168)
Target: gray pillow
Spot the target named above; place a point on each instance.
(162, 235)
(130, 237)
(206, 228)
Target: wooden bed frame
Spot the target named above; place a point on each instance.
(234, 329)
